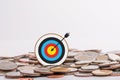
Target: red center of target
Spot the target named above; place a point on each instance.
(46, 52)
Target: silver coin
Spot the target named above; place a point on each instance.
(90, 67)
(13, 75)
(82, 74)
(7, 65)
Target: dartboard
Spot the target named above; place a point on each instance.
(50, 50)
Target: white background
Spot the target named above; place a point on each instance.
(93, 24)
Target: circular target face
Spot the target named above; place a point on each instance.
(50, 50)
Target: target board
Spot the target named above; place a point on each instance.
(44, 52)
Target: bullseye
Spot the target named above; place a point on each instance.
(50, 53)
(51, 49)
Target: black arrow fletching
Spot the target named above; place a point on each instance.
(66, 35)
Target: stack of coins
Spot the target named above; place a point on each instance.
(80, 63)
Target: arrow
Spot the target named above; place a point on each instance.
(65, 36)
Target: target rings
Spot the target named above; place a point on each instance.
(44, 52)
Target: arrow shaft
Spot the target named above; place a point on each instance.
(59, 43)
(65, 36)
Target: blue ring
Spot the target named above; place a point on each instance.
(43, 50)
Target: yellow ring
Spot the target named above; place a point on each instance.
(51, 52)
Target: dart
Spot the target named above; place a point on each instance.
(65, 36)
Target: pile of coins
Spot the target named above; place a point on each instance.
(80, 63)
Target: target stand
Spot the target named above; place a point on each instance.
(51, 49)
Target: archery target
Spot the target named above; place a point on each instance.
(44, 52)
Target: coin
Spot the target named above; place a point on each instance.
(85, 71)
(7, 65)
(82, 74)
(83, 62)
(5, 57)
(26, 79)
(56, 76)
(69, 60)
(29, 67)
(30, 73)
(106, 68)
(71, 54)
(2, 73)
(84, 58)
(68, 63)
(44, 71)
(90, 67)
(27, 60)
(20, 56)
(12, 60)
(13, 75)
(32, 56)
(100, 61)
(115, 74)
(108, 64)
(60, 69)
(116, 66)
(102, 72)
(72, 69)
(91, 54)
(77, 65)
(102, 57)
(113, 57)
(113, 52)
(28, 70)
(22, 64)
